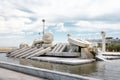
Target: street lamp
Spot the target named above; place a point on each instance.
(43, 20)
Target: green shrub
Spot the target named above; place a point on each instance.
(113, 48)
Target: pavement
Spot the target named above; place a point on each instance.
(6, 74)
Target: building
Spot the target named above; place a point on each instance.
(109, 41)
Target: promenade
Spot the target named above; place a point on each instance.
(6, 74)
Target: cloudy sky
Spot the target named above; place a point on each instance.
(21, 20)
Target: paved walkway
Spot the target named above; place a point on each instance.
(6, 74)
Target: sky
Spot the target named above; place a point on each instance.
(21, 20)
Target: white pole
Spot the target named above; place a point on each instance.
(103, 41)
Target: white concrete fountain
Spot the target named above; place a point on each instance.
(75, 48)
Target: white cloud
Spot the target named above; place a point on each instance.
(95, 26)
(61, 28)
(18, 17)
(52, 11)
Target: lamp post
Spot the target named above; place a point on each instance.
(43, 20)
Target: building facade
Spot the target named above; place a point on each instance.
(109, 41)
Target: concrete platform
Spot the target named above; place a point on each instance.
(112, 57)
(111, 53)
(64, 54)
(69, 61)
(6, 74)
(105, 56)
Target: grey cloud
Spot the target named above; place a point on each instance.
(26, 10)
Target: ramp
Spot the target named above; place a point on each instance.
(15, 51)
(63, 47)
(20, 51)
(32, 52)
(42, 52)
(59, 47)
(25, 52)
(12, 52)
(55, 48)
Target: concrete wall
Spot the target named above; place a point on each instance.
(43, 73)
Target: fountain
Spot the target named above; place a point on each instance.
(75, 48)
